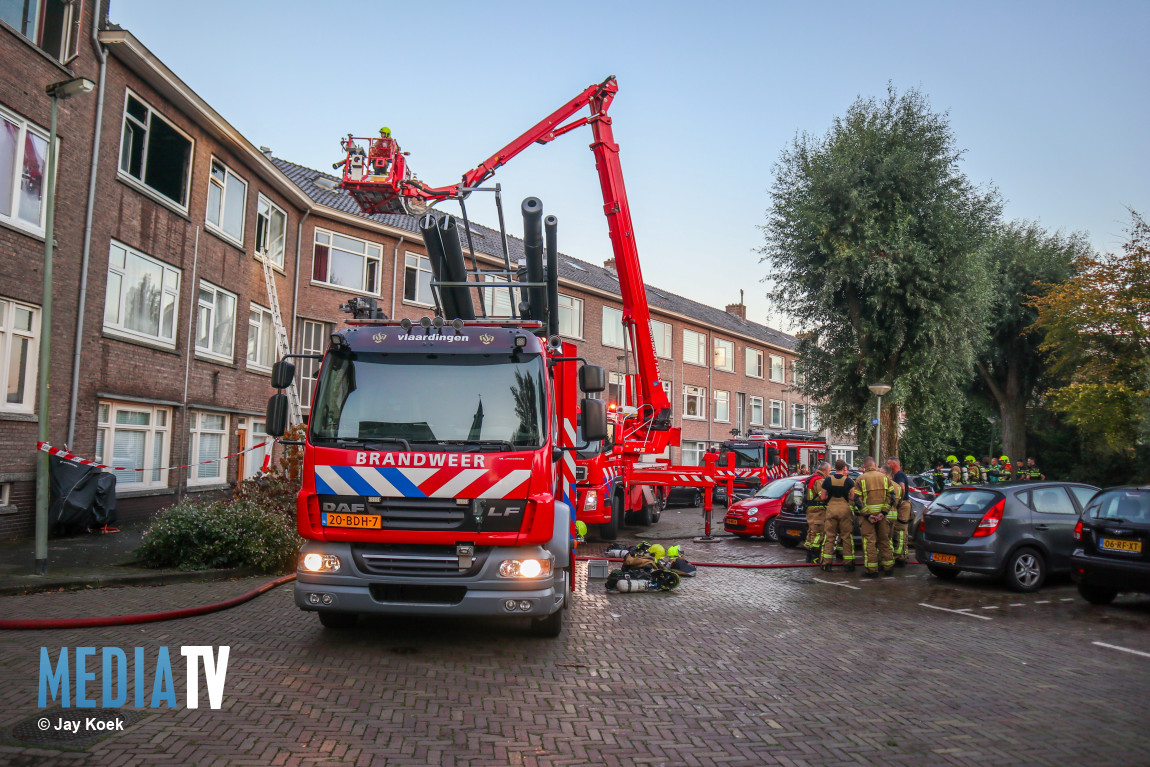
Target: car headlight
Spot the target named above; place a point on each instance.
(752, 519)
(319, 563)
(525, 568)
(591, 501)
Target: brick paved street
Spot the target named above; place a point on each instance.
(789, 666)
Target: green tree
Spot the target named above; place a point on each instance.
(1010, 367)
(874, 240)
(1096, 328)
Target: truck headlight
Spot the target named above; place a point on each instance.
(319, 563)
(524, 568)
(591, 501)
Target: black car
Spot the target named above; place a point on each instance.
(693, 496)
(1018, 531)
(791, 522)
(1113, 539)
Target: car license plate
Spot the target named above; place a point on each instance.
(731, 520)
(1114, 544)
(794, 532)
(359, 521)
(947, 559)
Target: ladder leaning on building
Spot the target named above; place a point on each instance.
(283, 348)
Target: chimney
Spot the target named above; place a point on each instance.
(739, 309)
(609, 264)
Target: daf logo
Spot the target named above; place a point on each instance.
(486, 339)
(379, 337)
(344, 508)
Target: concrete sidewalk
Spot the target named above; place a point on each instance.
(90, 560)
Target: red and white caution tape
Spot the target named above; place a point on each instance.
(68, 455)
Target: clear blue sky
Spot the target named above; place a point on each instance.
(1050, 100)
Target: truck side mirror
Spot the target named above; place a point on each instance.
(594, 415)
(592, 379)
(277, 414)
(283, 373)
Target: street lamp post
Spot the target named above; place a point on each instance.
(878, 389)
(56, 91)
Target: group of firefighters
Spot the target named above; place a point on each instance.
(971, 471)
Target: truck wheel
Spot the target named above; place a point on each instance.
(656, 512)
(643, 516)
(609, 531)
(551, 626)
(337, 620)
(697, 499)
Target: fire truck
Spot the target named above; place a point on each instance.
(760, 458)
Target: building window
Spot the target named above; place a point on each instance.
(5, 495)
(777, 413)
(667, 390)
(797, 376)
(134, 436)
(215, 322)
(722, 406)
(813, 417)
(154, 152)
(53, 25)
(253, 460)
(261, 339)
(209, 443)
(694, 348)
(498, 302)
(271, 231)
(140, 299)
(417, 280)
(616, 389)
(23, 165)
(227, 201)
(693, 452)
(570, 316)
(19, 350)
(350, 263)
(724, 355)
(661, 332)
(776, 368)
(754, 363)
(756, 411)
(799, 417)
(694, 402)
(613, 334)
(313, 340)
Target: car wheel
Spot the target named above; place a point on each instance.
(609, 531)
(942, 573)
(1097, 595)
(697, 498)
(550, 627)
(770, 532)
(789, 542)
(1025, 571)
(337, 620)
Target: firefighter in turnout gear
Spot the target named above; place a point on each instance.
(873, 494)
(838, 522)
(955, 470)
(973, 471)
(816, 510)
(900, 516)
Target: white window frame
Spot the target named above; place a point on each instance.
(12, 216)
(367, 257)
(796, 409)
(5, 496)
(613, 318)
(139, 183)
(754, 361)
(170, 296)
(197, 431)
(693, 452)
(693, 340)
(782, 410)
(664, 332)
(8, 334)
(216, 292)
(156, 458)
(267, 250)
(723, 414)
(222, 186)
(571, 308)
(497, 300)
(71, 14)
(727, 346)
(256, 364)
(422, 265)
(699, 394)
(813, 418)
(256, 430)
(309, 369)
(782, 367)
(755, 403)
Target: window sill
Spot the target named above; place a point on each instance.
(154, 196)
(196, 487)
(406, 302)
(7, 416)
(8, 509)
(143, 491)
(221, 361)
(695, 364)
(259, 370)
(612, 346)
(39, 51)
(220, 234)
(776, 380)
(694, 418)
(35, 234)
(342, 289)
(261, 258)
(723, 370)
(137, 341)
(572, 338)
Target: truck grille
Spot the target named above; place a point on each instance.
(420, 513)
(400, 560)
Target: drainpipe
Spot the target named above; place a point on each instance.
(395, 273)
(295, 282)
(182, 486)
(102, 55)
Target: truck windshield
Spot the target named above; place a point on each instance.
(446, 399)
(745, 457)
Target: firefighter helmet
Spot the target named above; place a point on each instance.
(580, 528)
(674, 552)
(657, 550)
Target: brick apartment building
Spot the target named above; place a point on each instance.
(171, 214)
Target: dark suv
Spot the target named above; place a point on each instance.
(1019, 531)
(1113, 551)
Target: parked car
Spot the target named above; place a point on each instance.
(792, 523)
(1018, 531)
(1113, 540)
(693, 496)
(756, 515)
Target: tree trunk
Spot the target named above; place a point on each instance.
(1013, 413)
(890, 433)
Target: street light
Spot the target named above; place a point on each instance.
(56, 91)
(878, 389)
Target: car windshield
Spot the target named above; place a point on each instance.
(1131, 506)
(745, 457)
(776, 489)
(465, 399)
(964, 501)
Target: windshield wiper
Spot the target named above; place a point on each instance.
(1119, 520)
(951, 509)
(478, 443)
(374, 443)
